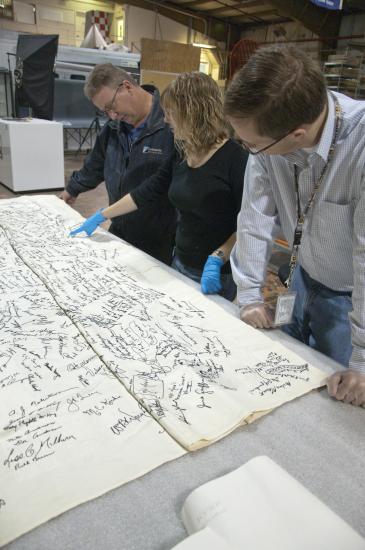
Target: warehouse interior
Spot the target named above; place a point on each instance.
(181, 253)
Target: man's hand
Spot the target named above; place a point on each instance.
(211, 276)
(348, 386)
(69, 199)
(257, 315)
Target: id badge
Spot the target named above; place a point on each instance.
(284, 308)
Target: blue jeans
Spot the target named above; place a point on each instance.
(229, 288)
(320, 317)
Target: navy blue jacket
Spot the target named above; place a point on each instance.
(124, 167)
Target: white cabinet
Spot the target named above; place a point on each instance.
(31, 154)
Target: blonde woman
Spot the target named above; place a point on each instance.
(203, 180)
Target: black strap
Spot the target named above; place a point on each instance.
(301, 216)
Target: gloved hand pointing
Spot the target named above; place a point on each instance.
(90, 224)
(211, 277)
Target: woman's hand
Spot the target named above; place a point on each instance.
(211, 277)
(90, 224)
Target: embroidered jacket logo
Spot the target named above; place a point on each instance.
(153, 150)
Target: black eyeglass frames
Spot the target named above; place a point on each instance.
(253, 151)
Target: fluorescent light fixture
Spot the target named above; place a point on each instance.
(207, 46)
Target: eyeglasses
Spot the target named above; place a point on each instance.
(253, 151)
(110, 106)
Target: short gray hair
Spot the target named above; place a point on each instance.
(105, 74)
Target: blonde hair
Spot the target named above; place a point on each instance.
(196, 104)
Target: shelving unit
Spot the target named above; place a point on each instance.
(345, 71)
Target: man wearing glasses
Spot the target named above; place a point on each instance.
(305, 175)
(130, 148)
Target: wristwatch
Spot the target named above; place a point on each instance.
(220, 254)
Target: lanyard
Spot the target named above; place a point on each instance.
(301, 216)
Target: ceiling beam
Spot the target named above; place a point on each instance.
(194, 3)
(237, 9)
(216, 29)
(247, 4)
(237, 6)
(241, 20)
(249, 25)
(323, 22)
(224, 6)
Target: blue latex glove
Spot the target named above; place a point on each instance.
(211, 277)
(90, 224)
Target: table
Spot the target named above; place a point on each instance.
(319, 441)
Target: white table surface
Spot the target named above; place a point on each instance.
(319, 441)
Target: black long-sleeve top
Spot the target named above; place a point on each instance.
(207, 198)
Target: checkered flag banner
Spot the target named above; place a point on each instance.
(100, 18)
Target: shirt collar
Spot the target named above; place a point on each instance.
(324, 143)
